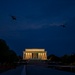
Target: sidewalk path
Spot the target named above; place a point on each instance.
(17, 71)
(36, 70)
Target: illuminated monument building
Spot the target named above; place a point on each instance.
(34, 54)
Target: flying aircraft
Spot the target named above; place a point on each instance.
(13, 17)
(63, 25)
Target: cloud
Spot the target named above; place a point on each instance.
(54, 24)
(26, 27)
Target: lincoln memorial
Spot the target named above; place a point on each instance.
(35, 54)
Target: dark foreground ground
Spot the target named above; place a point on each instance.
(63, 68)
(4, 68)
(35, 70)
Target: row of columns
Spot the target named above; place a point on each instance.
(42, 56)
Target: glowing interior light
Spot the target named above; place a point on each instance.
(35, 54)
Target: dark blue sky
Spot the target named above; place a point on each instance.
(38, 25)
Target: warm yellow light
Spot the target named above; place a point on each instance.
(34, 50)
(35, 54)
(26, 53)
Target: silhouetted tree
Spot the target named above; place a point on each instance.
(68, 58)
(53, 58)
(6, 55)
(65, 59)
(3, 46)
(20, 58)
(11, 55)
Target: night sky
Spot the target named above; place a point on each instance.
(38, 25)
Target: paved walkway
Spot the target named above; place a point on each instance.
(35, 70)
(17, 71)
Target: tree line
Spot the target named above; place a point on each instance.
(6, 54)
(65, 59)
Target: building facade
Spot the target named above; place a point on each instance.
(35, 54)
